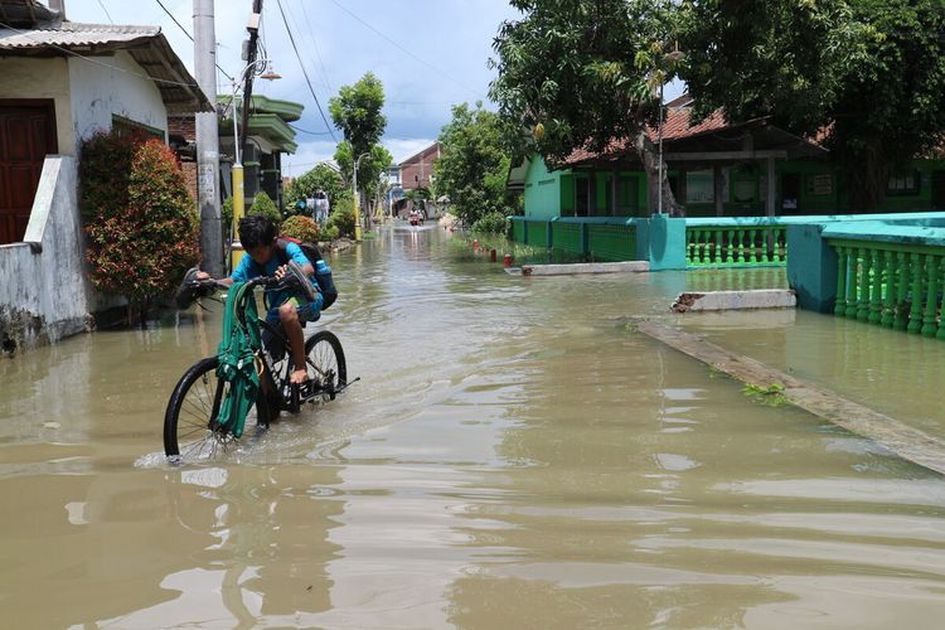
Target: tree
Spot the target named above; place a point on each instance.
(474, 164)
(322, 177)
(356, 111)
(141, 222)
(372, 167)
(867, 74)
(264, 205)
(587, 74)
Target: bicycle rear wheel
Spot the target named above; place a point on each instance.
(326, 366)
(191, 430)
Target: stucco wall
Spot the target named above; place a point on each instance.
(42, 79)
(43, 294)
(542, 191)
(115, 85)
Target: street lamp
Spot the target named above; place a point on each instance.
(357, 200)
(236, 172)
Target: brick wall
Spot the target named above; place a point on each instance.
(415, 171)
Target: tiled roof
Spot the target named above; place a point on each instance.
(676, 127)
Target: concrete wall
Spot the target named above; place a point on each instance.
(119, 88)
(43, 293)
(542, 191)
(42, 79)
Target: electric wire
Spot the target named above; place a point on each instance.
(308, 80)
(311, 133)
(109, 15)
(95, 61)
(187, 33)
(318, 54)
(366, 24)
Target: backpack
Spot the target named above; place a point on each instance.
(322, 271)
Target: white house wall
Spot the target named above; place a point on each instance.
(116, 85)
(43, 290)
(42, 79)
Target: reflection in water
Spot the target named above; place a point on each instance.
(514, 457)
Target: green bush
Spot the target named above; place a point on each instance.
(301, 227)
(226, 216)
(342, 217)
(263, 205)
(141, 222)
(331, 233)
(491, 223)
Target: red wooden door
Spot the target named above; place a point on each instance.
(27, 135)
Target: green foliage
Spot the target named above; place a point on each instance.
(372, 166)
(301, 227)
(870, 73)
(322, 177)
(578, 74)
(226, 216)
(491, 223)
(474, 164)
(356, 111)
(341, 219)
(262, 204)
(770, 395)
(141, 222)
(331, 233)
(104, 188)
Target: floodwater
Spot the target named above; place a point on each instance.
(513, 457)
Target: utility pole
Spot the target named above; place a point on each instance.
(208, 141)
(252, 47)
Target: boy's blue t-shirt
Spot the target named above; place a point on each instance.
(249, 269)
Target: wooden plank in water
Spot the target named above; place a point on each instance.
(907, 442)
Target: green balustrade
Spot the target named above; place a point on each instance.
(537, 233)
(567, 237)
(726, 245)
(894, 285)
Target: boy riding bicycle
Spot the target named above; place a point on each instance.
(258, 238)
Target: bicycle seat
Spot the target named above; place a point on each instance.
(187, 290)
(299, 281)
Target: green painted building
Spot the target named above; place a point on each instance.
(270, 136)
(716, 169)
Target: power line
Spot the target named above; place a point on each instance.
(311, 133)
(308, 81)
(95, 61)
(440, 71)
(109, 15)
(185, 31)
(318, 54)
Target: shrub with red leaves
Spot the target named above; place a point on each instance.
(141, 222)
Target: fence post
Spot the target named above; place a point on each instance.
(812, 268)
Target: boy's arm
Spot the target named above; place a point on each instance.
(203, 275)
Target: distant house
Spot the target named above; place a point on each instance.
(716, 167)
(60, 82)
(417, 170)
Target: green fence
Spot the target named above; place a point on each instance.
(898, 286)
(731, 245)
(591, 238)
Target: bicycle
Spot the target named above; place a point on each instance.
(190, 420)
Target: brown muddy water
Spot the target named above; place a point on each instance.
(514, 457)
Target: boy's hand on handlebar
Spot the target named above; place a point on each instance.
(202, 275)
(280, 272)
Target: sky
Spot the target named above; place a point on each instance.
(429, 54)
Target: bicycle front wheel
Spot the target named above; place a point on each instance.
(191, 430)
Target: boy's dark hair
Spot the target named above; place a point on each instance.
(256, 230)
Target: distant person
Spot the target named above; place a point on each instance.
(322, 207)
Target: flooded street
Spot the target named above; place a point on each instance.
(513, 456)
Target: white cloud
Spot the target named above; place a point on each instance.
(403, 148)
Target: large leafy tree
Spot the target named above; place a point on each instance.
(357, 112)
(586, 74)
(869, 75)
(473, 164)
(371, 170)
